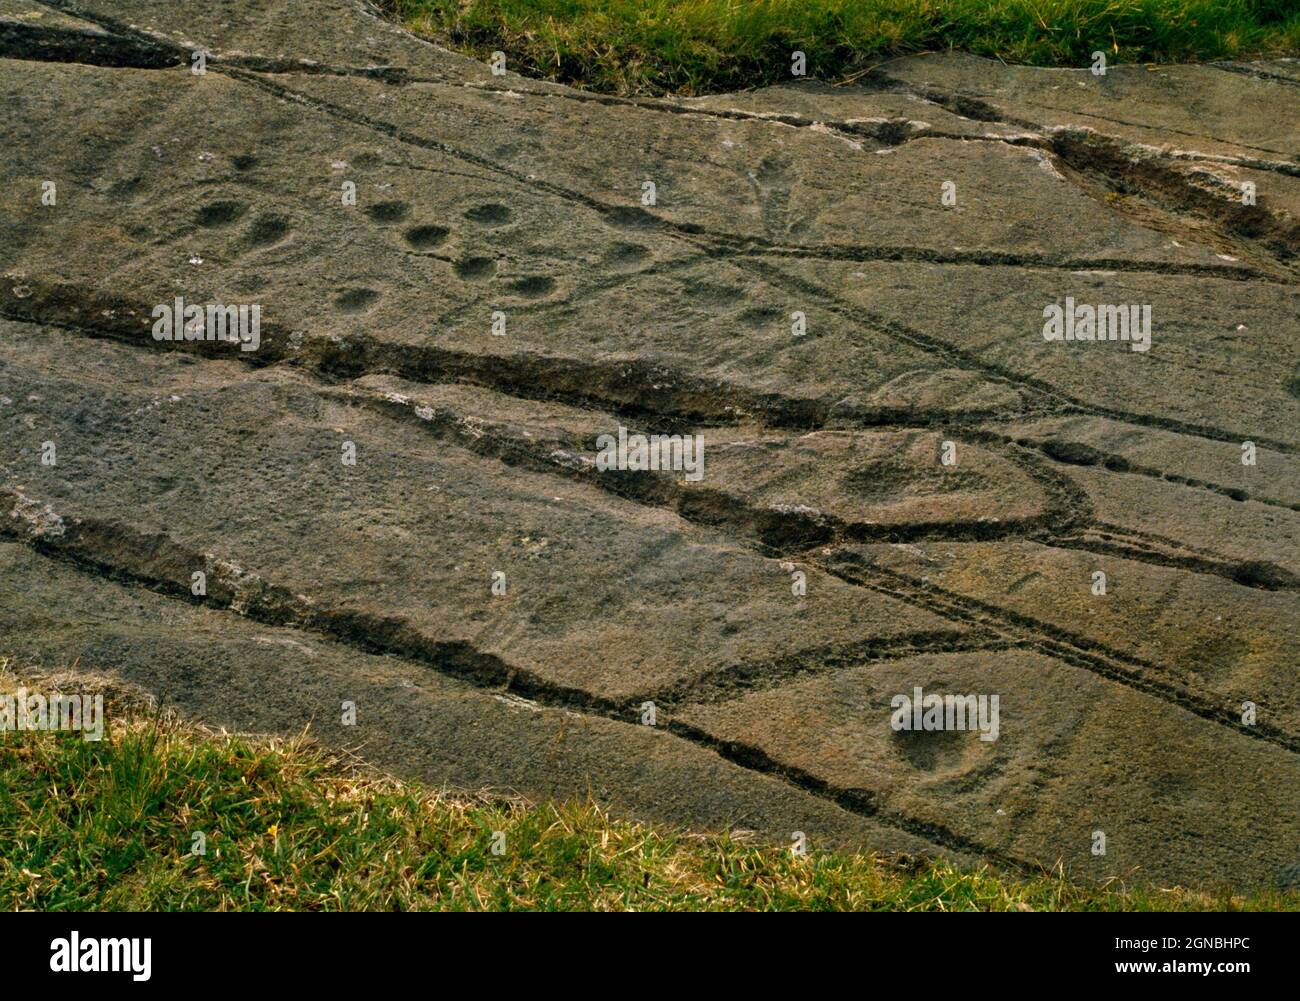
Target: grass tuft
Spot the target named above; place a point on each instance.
(707, 46)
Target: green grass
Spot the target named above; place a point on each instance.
(707, 46)
(109, 825)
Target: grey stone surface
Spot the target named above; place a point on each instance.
(826, 561)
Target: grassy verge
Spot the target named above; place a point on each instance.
(706, 46)
(111, 824)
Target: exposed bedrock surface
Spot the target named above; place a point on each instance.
(395, 492)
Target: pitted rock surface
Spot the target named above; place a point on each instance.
(905, 485)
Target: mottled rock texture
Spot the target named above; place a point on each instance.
(499, 296)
